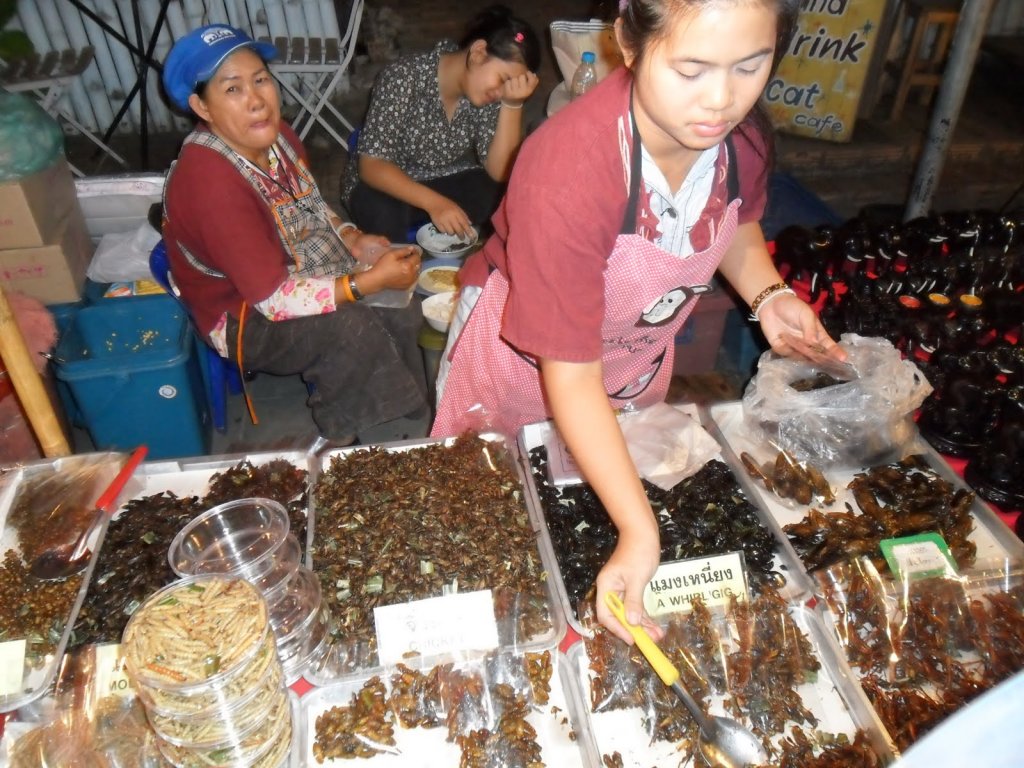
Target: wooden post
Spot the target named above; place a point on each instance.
(28, 385)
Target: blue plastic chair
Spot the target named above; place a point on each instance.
(221, 374)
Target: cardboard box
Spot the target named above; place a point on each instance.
(34, 208)
(51, 273)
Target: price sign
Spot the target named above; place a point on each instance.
(437, 625)
(12, 664)
(111, 676)
(919, 556)
(715, 580)
(562, 467)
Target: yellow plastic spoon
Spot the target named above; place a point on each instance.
(723, 742)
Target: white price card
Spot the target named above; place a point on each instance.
(111, 676)
(12, 666)
(715, 580)
(437, 625)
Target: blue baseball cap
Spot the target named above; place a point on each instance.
(196, 57)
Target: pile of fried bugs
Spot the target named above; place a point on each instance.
(790, 479)
(483, 709)
(897, 499)
(943, 644)
(132, 563)
(769, 659)
(396, 526)
(704, 514)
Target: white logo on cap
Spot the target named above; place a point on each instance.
(213, 35)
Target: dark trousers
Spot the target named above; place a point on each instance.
(474, 191)
(363, 362)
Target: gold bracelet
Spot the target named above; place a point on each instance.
(763, 296)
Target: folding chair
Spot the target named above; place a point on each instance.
(319, 66)
(221, 374)
(46, 78)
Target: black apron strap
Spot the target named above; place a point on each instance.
(635, 176)
(733, 180)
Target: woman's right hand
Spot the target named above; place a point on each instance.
(397, 268)
(450, 218)
(627, 572)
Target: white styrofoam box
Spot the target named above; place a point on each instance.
(119, 203)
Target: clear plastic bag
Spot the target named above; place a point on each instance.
(390, 298)
(854, 423)
(924, 647)
(666, 444)
(81, 725)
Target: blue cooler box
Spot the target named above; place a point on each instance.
(134, 378)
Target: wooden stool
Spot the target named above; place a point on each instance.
(925, 71)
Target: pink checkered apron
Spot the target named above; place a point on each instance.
(500, 389)
(648, 294)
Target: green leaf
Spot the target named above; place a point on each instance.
(14, 44)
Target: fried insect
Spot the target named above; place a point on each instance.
(790, 479)
(894, 500)
(702, 515)
(799, 751)
(924, 656)
(397, 526)
(758, 678)
(362, 729)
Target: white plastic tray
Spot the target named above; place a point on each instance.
(797, 585)
(995, 542)
(837, 702)
(557, 724)
(37, 677)
(548, 640)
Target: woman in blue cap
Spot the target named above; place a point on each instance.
(271, 275)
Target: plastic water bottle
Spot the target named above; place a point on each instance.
(585, 76)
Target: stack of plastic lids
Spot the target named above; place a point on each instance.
(201, 657)
(249, 539)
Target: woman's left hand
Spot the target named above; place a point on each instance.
(790, 323)
(518, 89)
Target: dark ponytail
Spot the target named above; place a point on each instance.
(507, 36)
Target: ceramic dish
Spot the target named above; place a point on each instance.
(439, 310)
(444, 246)
(438, 276)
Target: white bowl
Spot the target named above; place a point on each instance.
(439, 310)
(444, 246)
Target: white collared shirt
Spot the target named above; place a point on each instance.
(677, 213)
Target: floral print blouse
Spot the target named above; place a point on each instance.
(406, 123)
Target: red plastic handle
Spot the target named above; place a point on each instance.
(114, 489)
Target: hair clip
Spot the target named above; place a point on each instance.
(623, 5)
(519, 37)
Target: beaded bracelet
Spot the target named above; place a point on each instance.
(772, 291)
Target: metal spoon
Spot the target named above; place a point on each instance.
(723, 742)
(56, 564)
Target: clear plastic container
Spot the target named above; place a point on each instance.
(243, 752)
(214, 698)
(296, 609)
(274, 583)
(218, 724)
(239, 538)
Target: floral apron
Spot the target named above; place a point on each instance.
(649, 293)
